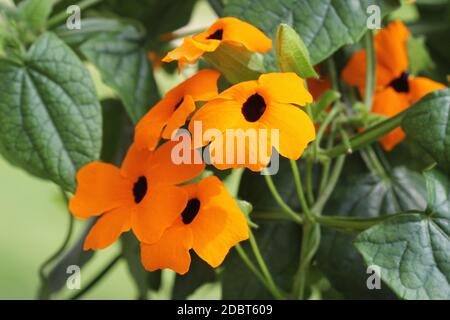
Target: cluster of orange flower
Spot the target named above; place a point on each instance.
(150, 195)
(395, 89)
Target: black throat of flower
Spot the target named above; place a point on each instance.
(254, 108)
(190, 212)
(401, 83)
(140, 189)
(217, 35)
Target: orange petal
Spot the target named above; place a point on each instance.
(220, 115)
(391, 58)
(420, 87)
(108, 228)
(219, 225)
(187, 53)
(179, 117)
(284, 88)
(240, 92)
(391, 48)
(250, 148)
(164, 171)
(136, 162)
(100, 188)
(148, 130)
(295, 128)
(389, 103)
(354, 73)
(235, 30)
(202, 42)
(201, 87)
(157, 212)
(170, 252)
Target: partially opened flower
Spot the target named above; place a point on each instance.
(225, 30)
(211, 223)
(395, 89)
(260, 108)
(174, 109)
(142, 195)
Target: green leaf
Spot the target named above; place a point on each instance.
(122, 60)
(413, 249)
(292, 54)
(50, 118)
(90, 27)
(428, 123)
(143, 280)
(157, 16)
(199, 274)
(280, 247)
(35, 12)
(324, 26)
(364, 195)
(419, 58)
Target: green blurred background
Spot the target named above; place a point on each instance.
(35, 218)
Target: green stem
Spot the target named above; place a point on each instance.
(327, 164)
(97, 278)
(368, 136)
(252, 267)
(351, 224)
(326, 122)
(286, 209)
(60, 17)
(370, 69)
(332, 73)
(310, 244)
(323, 198)
(374, 163)
(308, 178)
(44, 292)
(263, 267)
(300, 192)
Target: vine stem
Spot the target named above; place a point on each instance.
(44, 291)
(265, 271)
(309, 246)
(370, 70)
(368, 136)
(300, 192)
(97, 278)
(323, 198)
(251, 266)
(60, 17)
(286, 209)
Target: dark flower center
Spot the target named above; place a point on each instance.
(401, 83)
(254, 108)
(216, 35)
(140, 189)
(190, 212)
(178, 104)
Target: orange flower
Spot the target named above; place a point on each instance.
(226, 30)
(395, 89)
(210, 224)
(266, 103)
(141, 196)
(173, 110)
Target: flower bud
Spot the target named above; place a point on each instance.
(292, 54)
